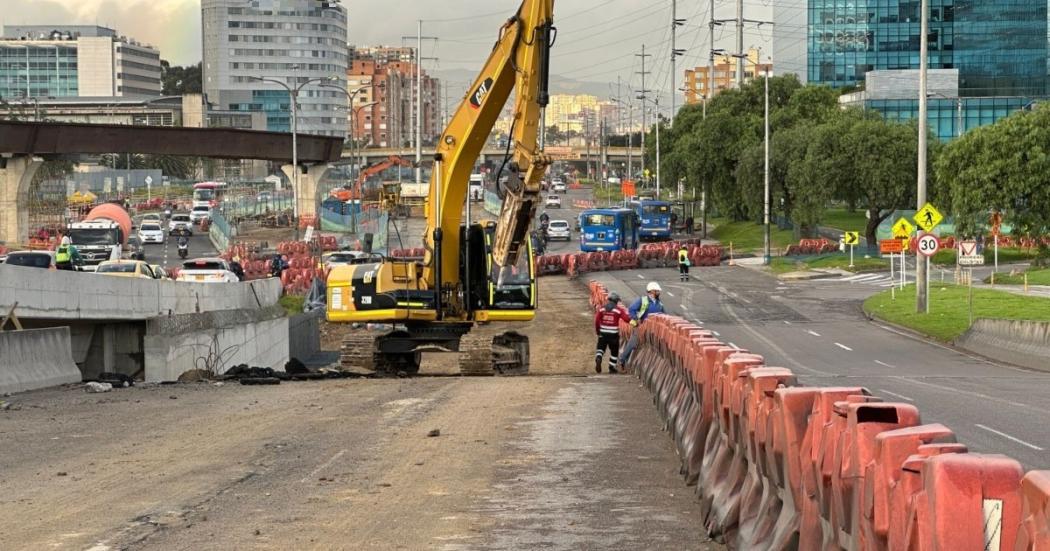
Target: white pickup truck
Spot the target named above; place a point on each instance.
(206, 270)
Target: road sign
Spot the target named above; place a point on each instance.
(968, 255)
(928, 244)
(891, 246)
(149, 180)
(928, 217)
(851, 238)
(902, 229)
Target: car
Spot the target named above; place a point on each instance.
(553, 202)
(558, 186)
(559, 229)
(206, 270)
(264, 197)
(31, 259)
(344, 258)
(159, 272)
(151, 232)
(180, 221)
(200, 213)
(126, 268)
(150, 218)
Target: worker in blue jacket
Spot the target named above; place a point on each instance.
(639, 311)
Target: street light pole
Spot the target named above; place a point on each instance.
(922, 299)
(767, 257)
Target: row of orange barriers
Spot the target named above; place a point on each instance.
(812, 246)
(582, 204)
(782, 466)
(664, 255)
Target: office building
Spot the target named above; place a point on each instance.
(292, 41)
(698, 82)
(383, 82)
(996, 50)
(42, 61)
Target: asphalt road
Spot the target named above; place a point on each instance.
(818, 330)
(167, 254)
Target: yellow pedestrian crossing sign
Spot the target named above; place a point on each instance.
(851, 238)
(902, 229)
(928, 217)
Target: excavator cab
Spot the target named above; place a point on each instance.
(492, 293)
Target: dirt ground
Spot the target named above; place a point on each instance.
(545, 461)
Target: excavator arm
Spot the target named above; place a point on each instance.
(519, 63)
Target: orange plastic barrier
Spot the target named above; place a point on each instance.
(779, 466)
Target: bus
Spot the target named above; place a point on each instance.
(608, 230)
(655, 217)
(208, 194)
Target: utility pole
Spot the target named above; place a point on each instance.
(418, 131)
(657, 102)
(740, 41)
(630, 139)
(766, 199)
(675, 52)
(922, 297)
(642, 96)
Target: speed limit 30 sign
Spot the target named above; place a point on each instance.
(928, 244)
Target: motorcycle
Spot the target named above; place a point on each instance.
(167, 213)
(184, 250)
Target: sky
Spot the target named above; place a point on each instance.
(596, 43)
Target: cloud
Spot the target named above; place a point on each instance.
(172, 26)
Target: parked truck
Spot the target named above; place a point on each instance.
(101, 235)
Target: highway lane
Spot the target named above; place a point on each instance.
(819, 331)
(167, 254)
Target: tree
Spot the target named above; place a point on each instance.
(177, 80)
(554, 134)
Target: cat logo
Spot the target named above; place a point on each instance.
(479, 95)
(369, 276)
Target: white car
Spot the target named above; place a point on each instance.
(206, 270)
(344, 258)
(180, 221)
(150, 218)
(553, 202)
(559, 187)
(199, 214)
(151, 232)
(559, 229)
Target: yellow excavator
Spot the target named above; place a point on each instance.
(470, 273)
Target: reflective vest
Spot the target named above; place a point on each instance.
(683, 257)
(62, 255)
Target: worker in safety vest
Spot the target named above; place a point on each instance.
(66, 256)
(607, 325)
(639, 311)
(683, 263)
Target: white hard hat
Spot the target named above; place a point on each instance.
(653, 286)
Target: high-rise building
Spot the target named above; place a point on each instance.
(383, 82)
(996, 49)
(292, 41)
(697, 81)
(42, 61)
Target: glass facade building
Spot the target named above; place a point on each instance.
(998, 47)
(38, 71)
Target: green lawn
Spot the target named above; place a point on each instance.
(840, 219)
(949, 309)
(1035, 277)
(748, 236)
(293, 304)
(840, 261)
(1006, 256)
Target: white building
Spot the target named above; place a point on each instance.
(40, 61)
(292, 41)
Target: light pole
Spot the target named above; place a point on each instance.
(656, 103)
(293, 94)
(353, 112)
(922, 297)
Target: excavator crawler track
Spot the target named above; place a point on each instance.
(505, 354)
(358, 352)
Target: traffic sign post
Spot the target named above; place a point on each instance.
(902, 229)
(927, 245)
(928, 218)
(969, 255)
(852, 239)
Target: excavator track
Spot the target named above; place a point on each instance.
(505, 354)
(358, 351)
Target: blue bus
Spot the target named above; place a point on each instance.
(608, 230)
(655, 219)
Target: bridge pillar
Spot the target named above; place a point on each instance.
(306, 197)
(16, 172)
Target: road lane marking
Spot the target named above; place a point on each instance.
(895, 395)
(733, 345)
(970, 393)
(717, 334)
(884, 364)
(323, 466)
(640, 276)
(1008, 437)
(814, 333)
(844, 347)
(670, 294)
(728, 309)
(787, 323)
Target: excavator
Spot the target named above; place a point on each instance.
(470, 273)
(344, 194)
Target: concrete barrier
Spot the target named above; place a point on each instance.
(216, 341)
(1023, 343)
(304, 335)
(59, 295)
(36, 358)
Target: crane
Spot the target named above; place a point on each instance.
(470, 273)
